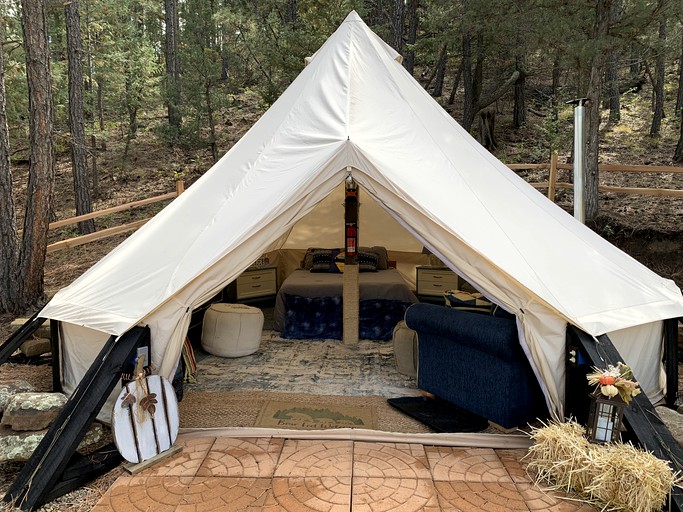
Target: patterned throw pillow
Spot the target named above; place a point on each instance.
(367, 262)
(323, 261)
(382, 256)
(307, 263)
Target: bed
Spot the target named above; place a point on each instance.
(309, 302)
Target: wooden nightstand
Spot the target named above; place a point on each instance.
(256, 283)
(431, 282)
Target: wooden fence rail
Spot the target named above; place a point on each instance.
(552, 184)
(106, 233)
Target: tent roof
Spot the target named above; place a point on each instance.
(354, 106)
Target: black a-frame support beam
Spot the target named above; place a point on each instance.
(640, 417)
(19, 337)
(46, 467)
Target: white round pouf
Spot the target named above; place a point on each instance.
(232, 330)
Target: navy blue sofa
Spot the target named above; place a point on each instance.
(475, 361)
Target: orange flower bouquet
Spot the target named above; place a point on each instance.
(615, 381)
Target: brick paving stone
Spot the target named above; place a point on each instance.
(539, 499)
(184, 463)
(249, 457)
(378, 494)
(143, 494)
(516, 468)
(315, 494)
(306, 458)
(480, 497)
(225, 494)
(466, 464)
(231, 474)
(390, 460)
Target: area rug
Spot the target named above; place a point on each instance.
(316, 416)
(323, 367)
(217, 409)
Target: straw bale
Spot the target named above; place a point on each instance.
(614, 477)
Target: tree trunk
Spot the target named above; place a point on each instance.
(172, 64)
(456, 83)
(478, 77)
(611, 77)
(658, 113)
(96, 104)
(440, 73)
(131, 107)
(397, 25)
(473, 101)
(555, 86)
(679, 96)
(519, 108)
(212, 124)
(636, 64)
(487, 126)
(291, 11)
(9, 238)
(678, 154)
(79, 153)
(594, 94)
(469, 100)
(41, 151)
(413, 20)
(612, 81)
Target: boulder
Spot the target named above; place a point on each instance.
(42, 332)
(18, 446)
(32, 411)
(35, 347)
(9, 388)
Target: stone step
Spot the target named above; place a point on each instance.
(19, 446)
(42, 332)
(32, 411)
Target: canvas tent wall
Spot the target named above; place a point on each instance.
(323, 227)
(355, 106)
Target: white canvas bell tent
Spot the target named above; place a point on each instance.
(354, 107)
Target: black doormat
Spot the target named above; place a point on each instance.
(440, 415)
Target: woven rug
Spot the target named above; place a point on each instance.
(215, 409)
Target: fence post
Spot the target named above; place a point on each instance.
(553, 176)
(179, 187)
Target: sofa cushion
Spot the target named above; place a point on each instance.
(495, 335)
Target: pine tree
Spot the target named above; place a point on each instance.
(79, 158)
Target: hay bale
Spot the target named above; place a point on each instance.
(614, 476)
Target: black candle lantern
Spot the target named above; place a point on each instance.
(605, 418)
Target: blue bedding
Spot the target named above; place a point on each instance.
(309, 304)
(321, 317)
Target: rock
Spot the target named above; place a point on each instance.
(18, 446)
(42, 332)
(673, 420)
(35, 347)
(9, 388)
(32, 411)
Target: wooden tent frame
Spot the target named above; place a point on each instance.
(54, 467)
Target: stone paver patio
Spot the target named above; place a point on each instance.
(294, 475)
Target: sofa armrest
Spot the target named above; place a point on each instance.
(497, 336)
